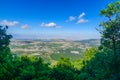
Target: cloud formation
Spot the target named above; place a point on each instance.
(71, 18)
(81, 15)
(25, 26)
(51, 24)
(14, 23)
(9, 23)
(81, 19)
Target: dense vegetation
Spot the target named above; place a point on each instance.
(101, 63)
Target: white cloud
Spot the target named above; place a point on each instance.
(79, 19)
(81, 15)
(82, 21)
(71, 18)
(51, 24)
(9, 23)
(25, 26)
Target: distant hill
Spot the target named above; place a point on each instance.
(92, 42)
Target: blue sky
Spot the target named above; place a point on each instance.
(52, 19)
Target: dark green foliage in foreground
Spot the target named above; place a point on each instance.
(111, 29)
(5, 56)
(100, 67)
(111, 33)
(96, 64)
(64, 71)
(105, 65)
(4, 43)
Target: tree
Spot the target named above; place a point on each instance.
(104, 64)
(89, 54)
(4, 42)
(64, 70)
(5, 56)
(99, 67)
(110, 30)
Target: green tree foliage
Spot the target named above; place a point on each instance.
(4, 44)
(88, 55)
(111, 31)
(111, 28)
(5, 56)
(105, 63)
(42, 71)
(30, 68)
(99, 67)
(4, 37)
(64, 71)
